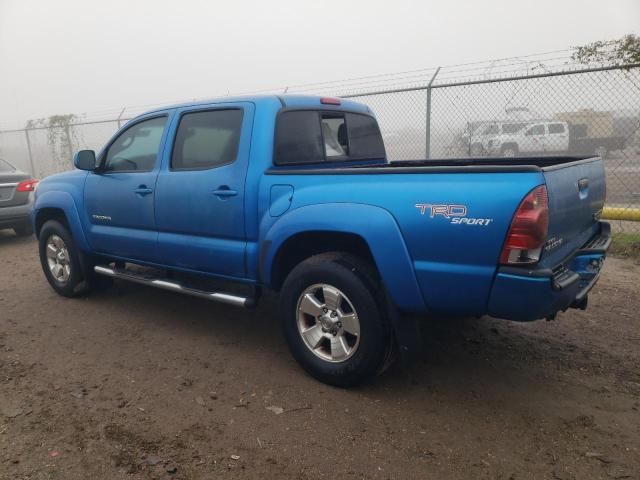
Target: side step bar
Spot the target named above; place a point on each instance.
(174, 286)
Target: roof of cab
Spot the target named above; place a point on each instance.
(286, 100)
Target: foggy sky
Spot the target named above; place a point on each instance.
(75, 56)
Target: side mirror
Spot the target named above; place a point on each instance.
(85, 160)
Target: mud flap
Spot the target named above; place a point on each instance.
(406, 332)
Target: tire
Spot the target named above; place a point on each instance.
(340, 358)
(23, 231)
(509, 151)
(59, 254)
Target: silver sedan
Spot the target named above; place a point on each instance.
(16, 198)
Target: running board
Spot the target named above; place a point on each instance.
(174, 286)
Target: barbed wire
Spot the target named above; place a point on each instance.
(551, 61)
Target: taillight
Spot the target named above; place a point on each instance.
(27, 185)
(528, 230)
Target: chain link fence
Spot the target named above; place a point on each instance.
(448, 113)
(45, 150)
(582, 112)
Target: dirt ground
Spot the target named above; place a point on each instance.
(136, 383)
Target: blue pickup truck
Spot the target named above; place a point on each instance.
(223, 199)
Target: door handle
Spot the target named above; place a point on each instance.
(583, 188)
(225, 192)
(143, 190)
(583, 184)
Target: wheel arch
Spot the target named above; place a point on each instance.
(45, 214)
(305, 244)
(59, 206)
(506, 145)
(367, 231)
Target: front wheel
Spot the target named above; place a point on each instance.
(332, 312)
(60, 259)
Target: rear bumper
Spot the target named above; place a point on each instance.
(16, 216)
(524, 295)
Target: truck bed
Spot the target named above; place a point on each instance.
(452, 165)
(446, 254)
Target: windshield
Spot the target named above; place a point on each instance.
(513, 127)
(492, 129)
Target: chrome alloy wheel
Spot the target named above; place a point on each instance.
(328, 323)
(58, 259)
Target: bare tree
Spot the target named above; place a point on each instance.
(622, 51)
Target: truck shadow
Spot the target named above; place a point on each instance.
(464, 356)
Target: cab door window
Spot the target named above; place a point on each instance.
(136, 149)
(556, 128)
(535, 130)
(207, 139)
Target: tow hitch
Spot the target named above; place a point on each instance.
(582, 303)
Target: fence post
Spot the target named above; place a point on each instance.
(120, 116)
(428, 126)
(31, 164)
(67, 134)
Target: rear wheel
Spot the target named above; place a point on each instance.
(333, 319)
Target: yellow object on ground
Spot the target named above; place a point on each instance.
(620, 213)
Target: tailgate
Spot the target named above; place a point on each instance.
(8, 195)
(576, 197)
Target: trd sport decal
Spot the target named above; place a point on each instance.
(455, 214)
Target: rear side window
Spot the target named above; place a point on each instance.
(207, 139)
(309, 136)
(556, 128)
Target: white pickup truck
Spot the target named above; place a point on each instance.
(476, 142)
(551, 137)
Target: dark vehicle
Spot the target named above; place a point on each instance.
(580, 142)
